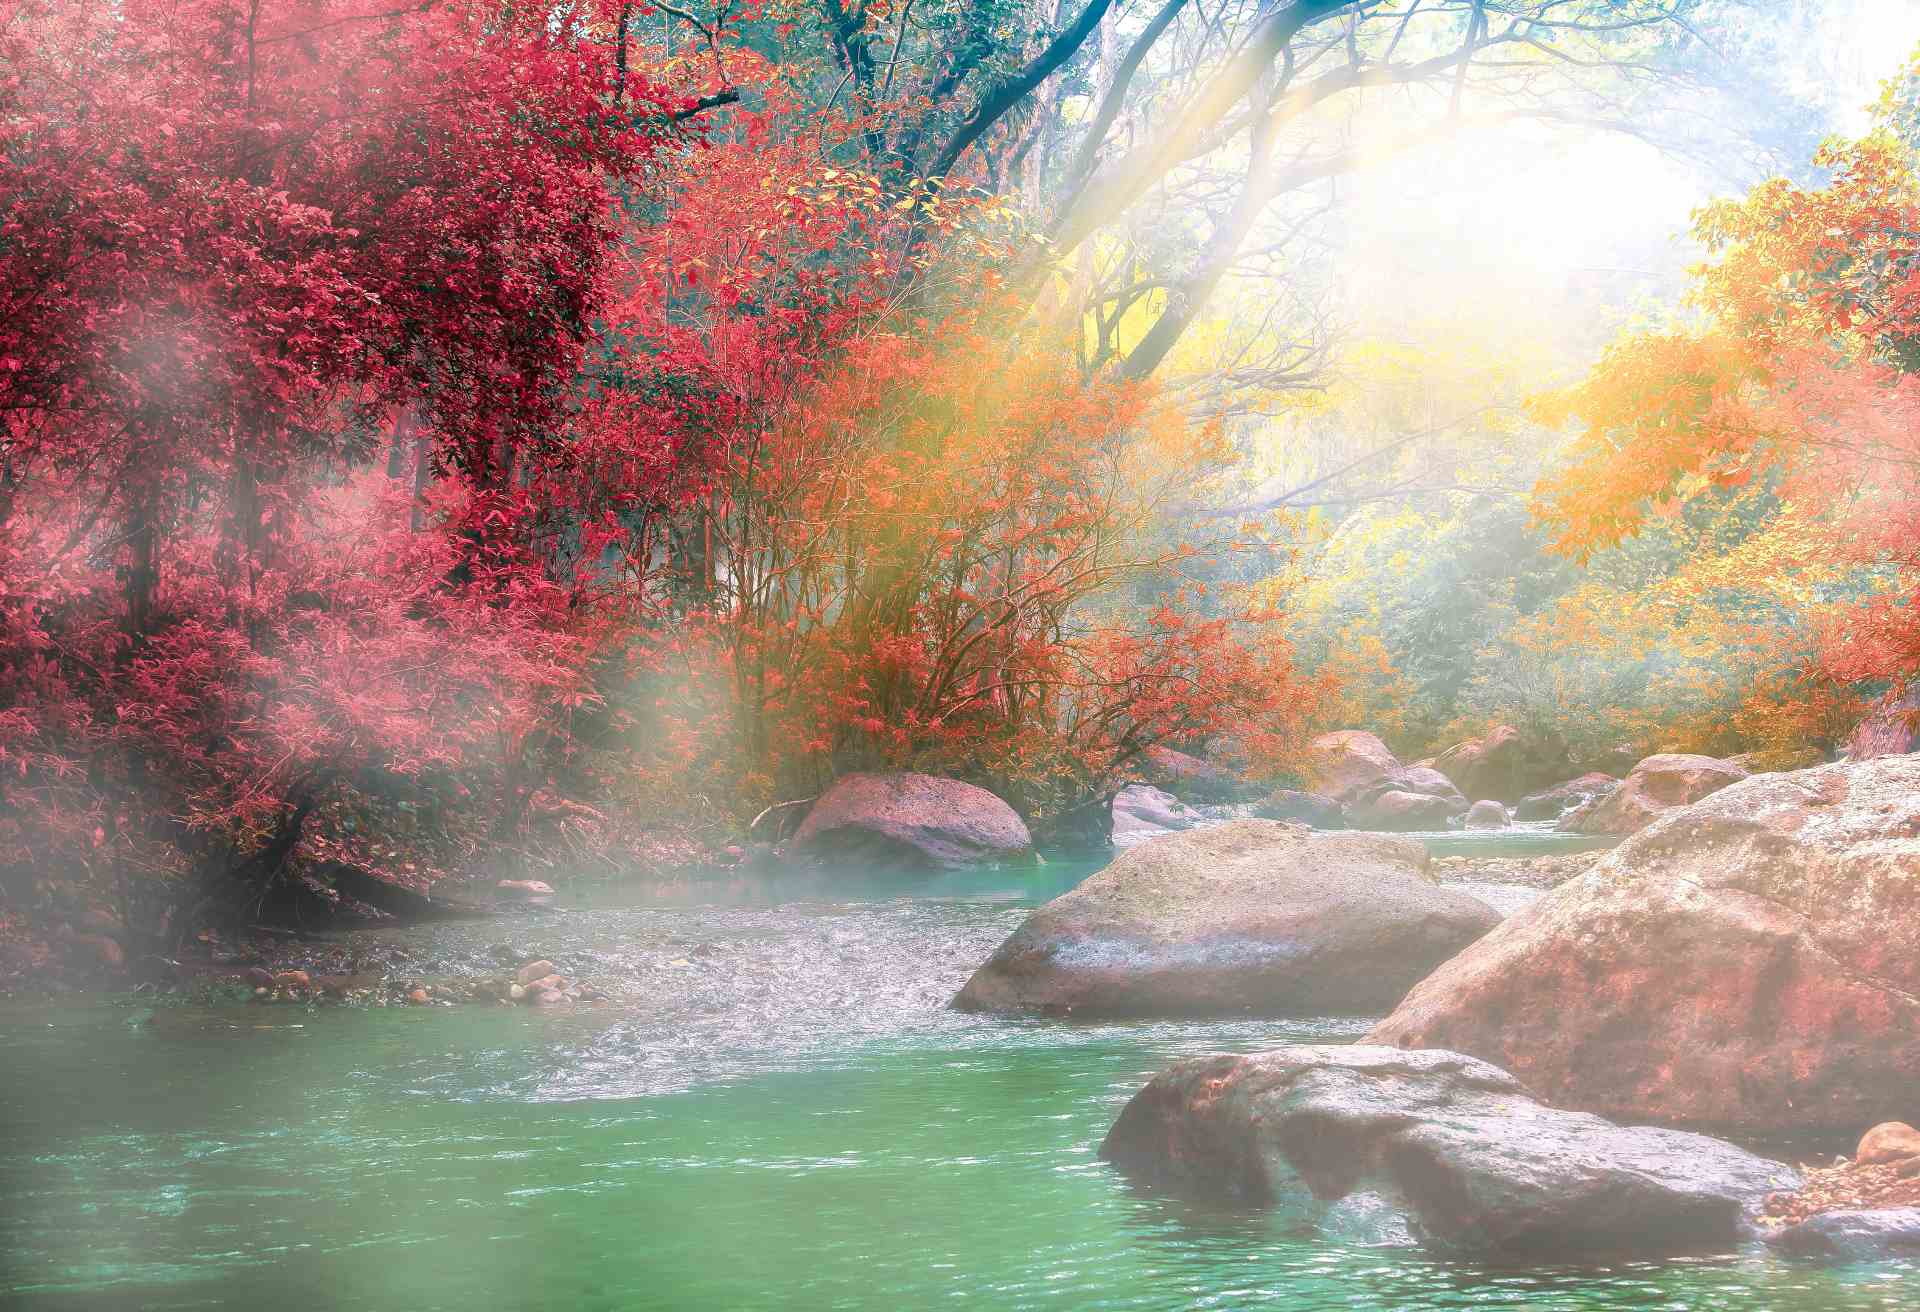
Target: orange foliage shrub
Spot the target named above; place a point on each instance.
(1800, 379)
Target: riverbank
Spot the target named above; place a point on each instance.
(372, 960)
(69, 938)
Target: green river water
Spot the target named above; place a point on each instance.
(774, 1111)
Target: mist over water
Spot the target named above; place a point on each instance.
(775, 1109)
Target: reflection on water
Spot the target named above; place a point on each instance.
(776, 1110)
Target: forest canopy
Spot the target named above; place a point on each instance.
(460, 435)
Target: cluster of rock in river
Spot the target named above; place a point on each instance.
(1354, 782)
(1459, 1151)
(1746, 964)
(1747, 961)
(1486, 784)
(1750, 962)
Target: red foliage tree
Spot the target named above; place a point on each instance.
(241, 246)
(414, 434)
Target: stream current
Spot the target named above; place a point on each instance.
(774, 1110)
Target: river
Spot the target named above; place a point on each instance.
(775, 1110)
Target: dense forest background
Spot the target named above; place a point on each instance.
(463, 437)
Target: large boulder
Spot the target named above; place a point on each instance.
(1889, 1141)
(913, 820)
(1892, 728)
(1657, 785)
(1750, 962)
(1375, 790)
(1552, 803)
(1487, 814)
(1426, 781)
(1398, 811)
(1191, 777)
(1480, 1167)
(1497, 766)
(1409, 798)
(1344, 764)
(1141, 811)
(1251, 918)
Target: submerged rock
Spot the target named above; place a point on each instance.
(915, 820)
(1853, 1236)
(1657, 785)
(1480, 1167)
(1251, 918)
(1751, 962)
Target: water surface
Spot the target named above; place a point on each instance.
(774, 1111)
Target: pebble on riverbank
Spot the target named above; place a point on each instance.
(1847, 1187)
(1884, 1173)
(380, 975)
(1524, 871)
(538, 983)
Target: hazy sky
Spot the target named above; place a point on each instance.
(1872, 39)
(1566, 235)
